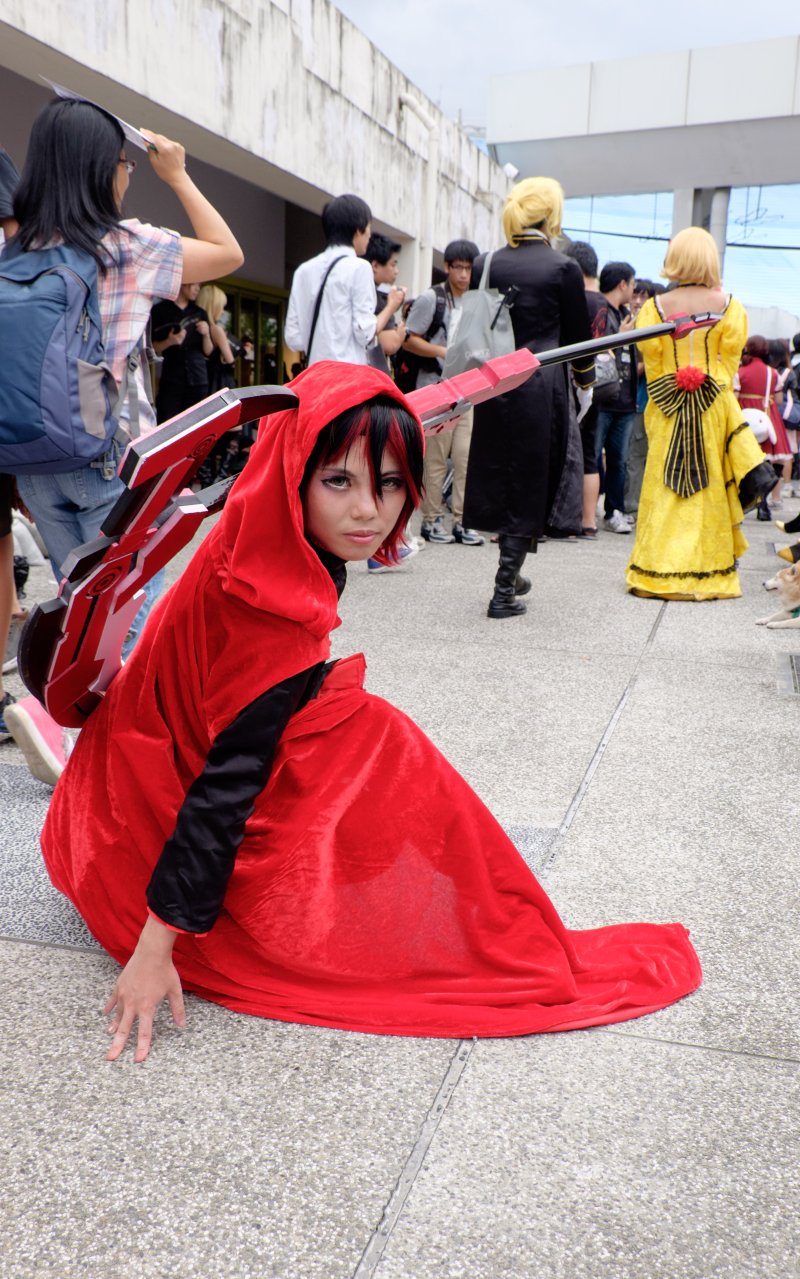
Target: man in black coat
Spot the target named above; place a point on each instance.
(519, 440)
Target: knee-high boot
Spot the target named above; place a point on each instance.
(508, 583)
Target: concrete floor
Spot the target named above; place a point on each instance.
(643, 757)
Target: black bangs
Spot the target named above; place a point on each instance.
(385, 424)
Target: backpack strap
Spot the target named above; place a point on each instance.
(128, 389)
(440, 294)
(487, 266)
(318, 304)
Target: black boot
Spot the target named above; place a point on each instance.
(508, 583)
(789, 526)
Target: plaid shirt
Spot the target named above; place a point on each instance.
(144, 263)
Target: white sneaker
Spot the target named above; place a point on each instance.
(616, 523)
(44, 743)
(404, 554)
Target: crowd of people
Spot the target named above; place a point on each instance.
(247, 867)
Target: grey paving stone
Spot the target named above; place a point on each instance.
(30, 907)
(684, 823)
(589, 1156)
(521, 736)
(241, 1149)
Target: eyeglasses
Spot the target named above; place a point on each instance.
(130, 165)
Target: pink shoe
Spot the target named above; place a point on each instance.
(42, 741)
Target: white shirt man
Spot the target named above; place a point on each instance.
(346, 323)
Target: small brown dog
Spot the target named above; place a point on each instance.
(787, 583)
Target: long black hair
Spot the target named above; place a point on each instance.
(67, 186)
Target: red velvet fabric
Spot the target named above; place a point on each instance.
(373, 891)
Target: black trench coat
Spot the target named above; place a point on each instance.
(519, 440)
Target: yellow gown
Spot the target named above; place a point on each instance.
(687, 547)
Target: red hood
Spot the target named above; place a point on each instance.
(261, 551)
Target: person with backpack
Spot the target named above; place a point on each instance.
(431, 325)
(68, 206)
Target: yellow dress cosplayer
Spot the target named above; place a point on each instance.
(688, 531)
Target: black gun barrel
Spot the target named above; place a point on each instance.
(596, 346)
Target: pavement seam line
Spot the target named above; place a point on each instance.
(371, 1256)
(600, 750)
(708, 1048)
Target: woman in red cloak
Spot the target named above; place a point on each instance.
(240, 818)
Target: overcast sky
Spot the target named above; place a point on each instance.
(450, 48)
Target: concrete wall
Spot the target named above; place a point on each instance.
(699, 118)
(258, 217)
(286, 95)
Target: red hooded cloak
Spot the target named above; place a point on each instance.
(372, 890)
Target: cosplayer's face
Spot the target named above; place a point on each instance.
(343, 514)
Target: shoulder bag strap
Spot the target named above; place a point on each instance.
(484, 284)
(318, 304)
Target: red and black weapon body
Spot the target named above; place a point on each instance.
(71, 647)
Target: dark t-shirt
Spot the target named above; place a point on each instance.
(607, 319)
(184, 365)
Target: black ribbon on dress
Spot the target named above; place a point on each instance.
(685, 470)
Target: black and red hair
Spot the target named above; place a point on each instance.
(383, 424)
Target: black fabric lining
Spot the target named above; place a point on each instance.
(736, 431)
(701, 576)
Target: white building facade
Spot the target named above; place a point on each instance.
(280, 105)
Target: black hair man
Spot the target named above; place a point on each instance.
(431, 324)
(382, 254)
(615, 419)
(341, 282)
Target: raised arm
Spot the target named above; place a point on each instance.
(215, 251)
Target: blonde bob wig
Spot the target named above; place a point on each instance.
(534, 203)
(693, 257)
(213, 301)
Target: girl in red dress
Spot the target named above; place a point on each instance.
(240, 818)
(758, 388)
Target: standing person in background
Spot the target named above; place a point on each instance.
(75, 178)
(778, 359)
(615, 420)
(429, 343)
(519, 442)
(585, 256)
(643, 290)
(221, 366)
(382, 256)
(338, 286)
(758, 389)
(704, 466)
(222, 360)
(182, 337)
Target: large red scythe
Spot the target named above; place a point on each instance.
(71, 646)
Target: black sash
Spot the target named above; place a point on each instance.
(685, 470)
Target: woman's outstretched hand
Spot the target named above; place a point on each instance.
(147, 978)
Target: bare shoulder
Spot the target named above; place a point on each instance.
(693, 299)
